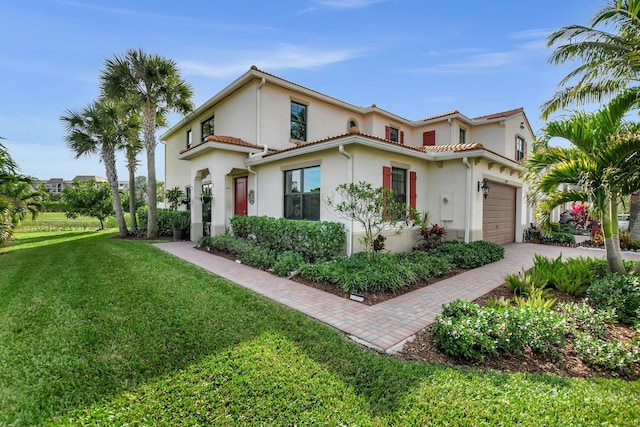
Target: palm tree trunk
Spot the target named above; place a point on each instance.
(132, 199)
(109, 159)
(150, 145)
(611, 237)
(634, 216)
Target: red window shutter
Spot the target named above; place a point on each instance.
(402, 137)
(429, 138)
(387, 132)
(412, 189)
(386, 177)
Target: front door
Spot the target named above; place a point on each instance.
(240, 196)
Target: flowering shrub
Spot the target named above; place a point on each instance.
(610, 355)
(466, 330)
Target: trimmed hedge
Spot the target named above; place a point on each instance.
(313, 240)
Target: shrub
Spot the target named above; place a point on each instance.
(287, 262)
(226, 243)
(470, 255)
(536, 299)
(358, 273)
(314, 240)
(612, 356)
(575, 278)
(620, 294)
(258, 257)
(166, 219)
(427, 266)
(469, 331)
(522, 283)
(431, 237)
(584, 318)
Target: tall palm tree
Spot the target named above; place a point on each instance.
(610, 60)
(132, 149)
(152, 85)
(101, 128)
(600, 166)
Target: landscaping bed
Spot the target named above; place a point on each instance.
(423, 349)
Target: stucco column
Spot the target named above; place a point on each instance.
(196, 210)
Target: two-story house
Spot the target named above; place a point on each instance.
(267, 146)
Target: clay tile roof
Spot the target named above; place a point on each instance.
(225, 140)
(450, 113)
(502, 114)
(333, 138)
(453, 147)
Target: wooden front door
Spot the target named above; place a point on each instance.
(240, 196)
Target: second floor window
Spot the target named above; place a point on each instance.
(394, 134)
(521, 148)
(463, 136)
(298, 121)
(207, 127)
(189, 140)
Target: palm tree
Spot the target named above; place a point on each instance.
(101, 128)
(132, 149)
(17, 194)
(610, 61)
(600, 166)
(152, 85)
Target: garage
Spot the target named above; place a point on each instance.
(499, 214)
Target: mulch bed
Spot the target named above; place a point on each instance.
(422, 347)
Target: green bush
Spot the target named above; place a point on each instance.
(358, 273)
(427, 266)
(287, 262)
(524, 282)
(470, 255)
(226, 243)
(584, 318)
(612, 356)
(472, 332)
(313, 240)
(620, 294)
(166, 220)
(576, 277)
(258, 257)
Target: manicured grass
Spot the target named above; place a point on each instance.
(58, 221)
(101, 331)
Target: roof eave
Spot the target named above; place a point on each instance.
(210, 145)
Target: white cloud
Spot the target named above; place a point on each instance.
(282, 57)
(473, 64)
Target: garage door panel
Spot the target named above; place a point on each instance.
(499, 214)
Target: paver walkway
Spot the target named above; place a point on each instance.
(388, 325)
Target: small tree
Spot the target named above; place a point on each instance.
(375, 209)
(88, 198)
(174, 196)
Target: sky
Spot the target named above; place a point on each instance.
(413, 58)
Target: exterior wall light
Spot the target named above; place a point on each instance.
(484, 187)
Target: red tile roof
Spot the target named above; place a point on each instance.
(500, 115)
(452, 147)
(225, 140)
(450, 113)
(344, 135)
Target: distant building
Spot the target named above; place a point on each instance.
(56, 185)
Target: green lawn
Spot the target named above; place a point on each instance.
(101, 331)
(58, 221)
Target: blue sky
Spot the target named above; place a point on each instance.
(414, 58)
